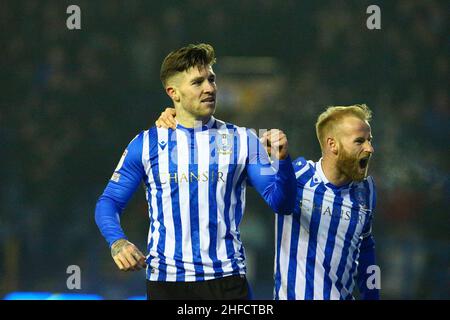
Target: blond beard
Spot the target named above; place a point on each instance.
(348, 165)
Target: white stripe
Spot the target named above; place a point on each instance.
(302, 170)
(240, 165)
(169, 248)
(183, 168)
(352, 247)
(145, 163)
(339, 240)
(302, 248)
(322, 237)
(335, 257)
(223, 163)
(154, 217)
(285, 248)
(202, 139)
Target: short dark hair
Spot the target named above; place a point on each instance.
(192, 55)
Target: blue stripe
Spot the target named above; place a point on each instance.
(227, 202)
(239, 182)
(366, 228)
(280, 221)
(295, 234)
(368, 218)
(213, 169)
(306, 176)
(193, 207)
(347, 242)
(331, 239)
(312, 243)
(239, 213)
(152, 221)
(175, 199)
(154, 160)
(236, 193)
(374, 195)
(353, 268)
(152, 227)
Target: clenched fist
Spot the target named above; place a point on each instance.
(127, 256)
(276, 144)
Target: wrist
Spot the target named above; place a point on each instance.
(119, 242)
(284, 157)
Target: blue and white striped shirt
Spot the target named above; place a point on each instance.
(318, 246)
(195, 182)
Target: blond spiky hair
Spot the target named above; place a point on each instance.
(327, 120)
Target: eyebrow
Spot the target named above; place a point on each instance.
(197, 79)
(201, 78)
(362, 138)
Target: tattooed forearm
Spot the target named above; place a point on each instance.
(117, 246)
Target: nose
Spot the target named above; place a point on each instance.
(369, 147)
(209, 87)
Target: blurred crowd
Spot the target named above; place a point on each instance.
(73, 99)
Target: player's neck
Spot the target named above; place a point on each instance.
(332, 172)
(188, 120)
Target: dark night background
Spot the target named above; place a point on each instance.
(72, 100)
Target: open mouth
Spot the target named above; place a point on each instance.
(209, 99)
(364, 162)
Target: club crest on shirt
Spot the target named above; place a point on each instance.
(361, 197)
(224, 143)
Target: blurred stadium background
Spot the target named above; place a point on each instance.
(72, 100)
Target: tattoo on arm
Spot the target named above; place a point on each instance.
(117, 246)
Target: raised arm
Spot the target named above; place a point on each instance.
(275, 181)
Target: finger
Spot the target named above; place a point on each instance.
(173, 123)
(266, 134)
(281, 141)
(169, 117)
(134, 254)
(157, 124)
(141, 258)
(163, 123)
(119, 263)
(131, 260)
(278, 139)
(278, 146)
(124, 261)
(276, 134)
(263, 140)
(169, 124)
(143, 263)
(168, 110)
(139, 253)
(284, 141)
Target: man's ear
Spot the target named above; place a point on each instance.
(172, 92)
(332, 145)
